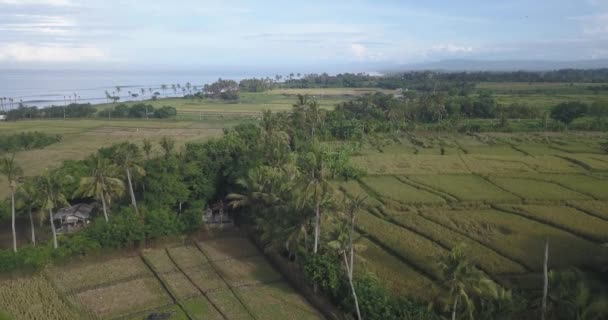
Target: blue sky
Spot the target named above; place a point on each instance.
(295, 34)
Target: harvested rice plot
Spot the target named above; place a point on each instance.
(465, 187)
(486, 258)
(416, 250)
(247, 271)
(228, 248)
(567, 218)
(394, 273)
(187, 256)
(518, 238)
(80, 276)
(396, 190)
(179, 285)
(33, 298)
(205, 278)
(200, 308)
(159, 260)
(494, 149)
(123, 298)
(537, 190)
(229, 304)
(277, 301)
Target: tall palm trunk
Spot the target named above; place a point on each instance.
(133, 201)
(317, 226)
(545, 281)
(352, 286)
(33, 230)
(103, 204)
(53, 229)
(13, 220)
(454, 309)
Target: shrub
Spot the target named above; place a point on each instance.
(566, 112)
(27, 141)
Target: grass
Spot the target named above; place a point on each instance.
(276, 301)
(533, 190)
(566, 218)
(518, 238)
(247, 271)
(85, 275)
(33, 298)
(229, 304)
(465, 187)
(487, 259)
(396, 190)
(228, 248)
(200, 308)
(390, 270)
(123, 298)
(418, 251)
(596, 208)
(187, 256)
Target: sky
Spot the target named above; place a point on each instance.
(295, 34)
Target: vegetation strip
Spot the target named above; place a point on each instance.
(224, 280)
(194, 283)
(165, 287)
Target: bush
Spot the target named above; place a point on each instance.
(566, 112)
(325, 272)
(27, 141)
(124, 229)
(160, 222)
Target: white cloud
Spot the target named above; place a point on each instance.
(595, 24)
(451, 48)
(20, 52)
(359, 51)
(56, 3)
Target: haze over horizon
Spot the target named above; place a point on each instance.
(237, 34)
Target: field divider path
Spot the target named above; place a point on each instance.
(547, 223)
(448, 248)
(397, 255)
(165, 286)
(195, 285)
(216, 269)
(63, 296)
(449, 198)
(574, 161)
(583, 210)
(464, 234)
(563, 186)
(487, 178)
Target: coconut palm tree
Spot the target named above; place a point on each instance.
(168, 144)
(13, 173)
(28, 196)
(465, 282)
(51, 186)
(344, 242)
(147, 147)
(102, 184)
(316, 190)
(128, 158)
(164, 88)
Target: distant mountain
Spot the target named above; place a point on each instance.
(503, 65)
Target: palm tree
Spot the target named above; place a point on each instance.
(168, 145)
(317, 189)
(147, 147)
(13, 173)
(102, 184)
(51, 186)
(577, 295)
(28, 195)
(164, 88)
(464, 282)
(128, 158)
(344, 243)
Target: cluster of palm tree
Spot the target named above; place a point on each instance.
(105, 183)
(6, 103)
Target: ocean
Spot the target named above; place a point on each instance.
(58, 87)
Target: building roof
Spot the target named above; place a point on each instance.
(80, 211)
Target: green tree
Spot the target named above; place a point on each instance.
(344, 243)
(13, 173)
(464, 283)
(168, 145)
(316, 190)
(28, 196)
(102, 184)
(576, 295)
(128, 158)
(147, 147)
(566, 112)
(51, 186)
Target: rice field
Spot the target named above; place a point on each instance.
(392, 188)
(176, 283)
(465, 187)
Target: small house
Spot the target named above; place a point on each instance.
(216, 216)
(73, 218)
